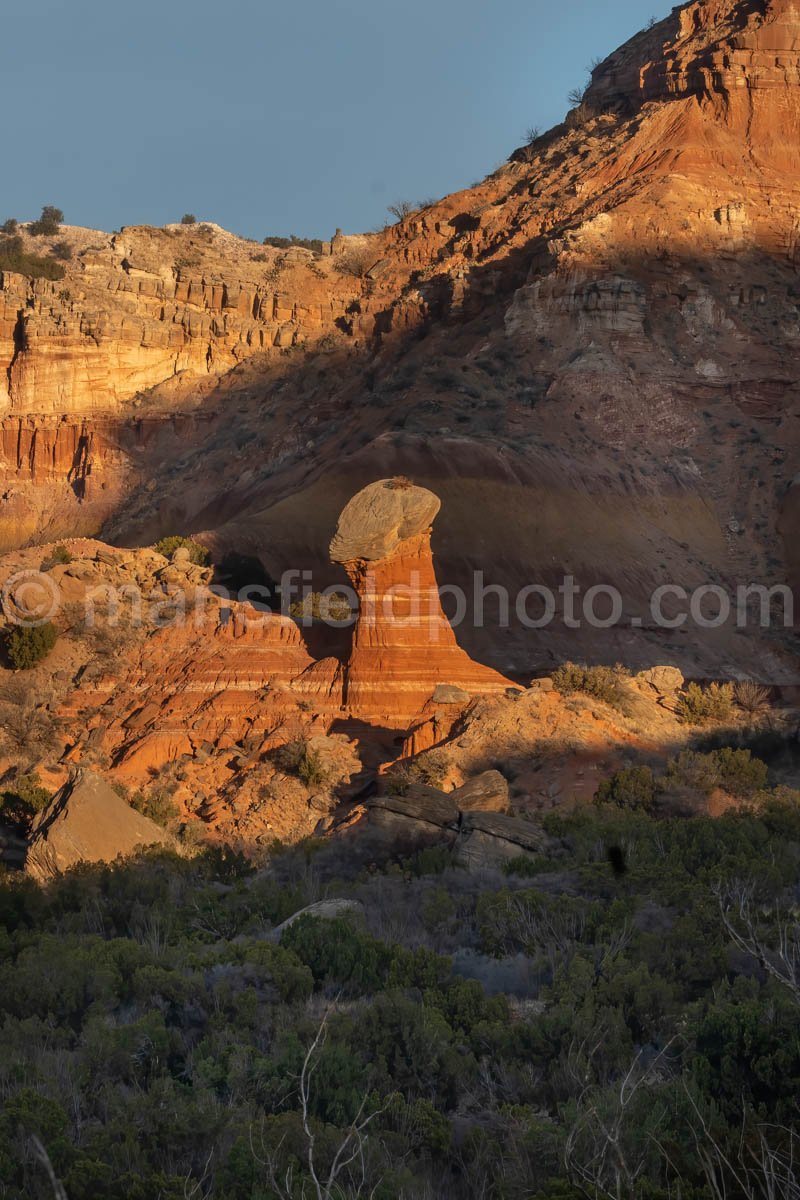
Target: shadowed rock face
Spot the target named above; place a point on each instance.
(380, 517)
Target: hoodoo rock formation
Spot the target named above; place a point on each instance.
(403, 644)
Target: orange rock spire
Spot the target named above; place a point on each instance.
(403, 645)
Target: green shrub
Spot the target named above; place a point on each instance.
(24, 799)
(297, 758)
(10, 226)
(13, 257)
(338, 952)
(63, 251)
(733, 770)
(168, 545)
(602, 683)
(632, 788)
(58, 555)
(284, 243)
(188, 219)
(49, 222)
(311, 769)
(27, 645)
(158, 806)
(698, 706)
(429, 768)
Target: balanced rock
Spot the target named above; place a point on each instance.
(403, 647)
(87, 821)
(380, 517)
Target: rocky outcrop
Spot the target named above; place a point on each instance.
(425, 816)
(403, 647)
(491, 839)
(146, 307)
(87, 822)
(704, 49)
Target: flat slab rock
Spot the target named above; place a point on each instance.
(425, 805)
(479, 837)
(488, 839)
(87, 821)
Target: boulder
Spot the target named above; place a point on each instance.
(87, 821)
(661, 683)
(381, 516)
(487, 792)
(490, 839)
(448, 693)
(425, 805)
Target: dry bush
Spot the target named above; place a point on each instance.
(429, 768)
(356, 261)
(750, 696)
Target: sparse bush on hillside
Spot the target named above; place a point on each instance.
(298, 758)
(356, 261)
(13, 257)
(27, 645)
(49, 222)
(188, 219)
(321, 607)
(157, 805)
(751, 697)
(59, 554)
(168, 545)
(429, 768)
(401, 210)
(9, 226)
(602, 683)
(62, 251)
(400, 483)
(577, 117)
(698, 706)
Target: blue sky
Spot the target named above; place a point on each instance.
(279, 118)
